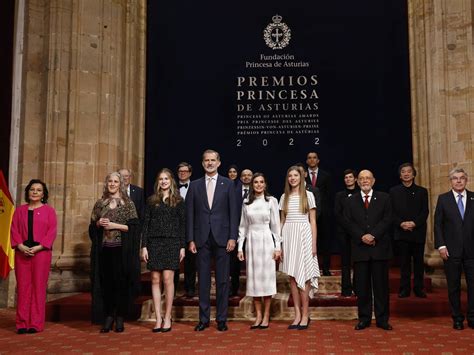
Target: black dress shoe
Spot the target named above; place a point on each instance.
(201, 326)
(109, 321)
(361, 325)
(221, 326)
(470, 324)
(263, 326)
(31, 331)
(327, 273)
(458, 325)
(21, 331)
(420, 294)
(119, 327)
(190, 294)
(404, 294)
(385, 326)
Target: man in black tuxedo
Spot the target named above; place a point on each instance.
(368, 217)
(322, 180)
(241, 193)
(211, 231)
(135, 192)
(342, 232)
(185, 170)
(410, 211)
(454, 238)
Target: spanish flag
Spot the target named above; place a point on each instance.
(7, 254)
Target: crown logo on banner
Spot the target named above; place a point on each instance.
(277, 34)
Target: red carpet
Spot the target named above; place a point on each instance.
(418, 335)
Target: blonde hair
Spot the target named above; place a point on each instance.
(157, 197)
(304, 206)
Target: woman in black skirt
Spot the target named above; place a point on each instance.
(163, 242)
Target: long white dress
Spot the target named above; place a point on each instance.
(260, 227)
(298, 259)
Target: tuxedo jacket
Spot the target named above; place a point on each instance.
(450, 229)
(221, 219)
(317, 198)
(375, 220)
(138, 198)
(409, 207)
(339, 204)
(323, 183)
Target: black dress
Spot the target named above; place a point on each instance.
(163, 235)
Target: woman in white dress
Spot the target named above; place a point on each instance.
(260, 228)
(299, 260)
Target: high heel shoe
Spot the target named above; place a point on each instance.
(119, 327)
(158, 330)
(304, 327)
(165, 330)
(294, 326)
(109, 321)
(257, 326)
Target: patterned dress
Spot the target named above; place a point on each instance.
(298, 260)
(260, 228)
(163, 235)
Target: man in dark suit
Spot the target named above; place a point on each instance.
(410, 211)
(342, 233)
(314, 190)
(185, 170)
(241, 192)
(322, 180)
(368, 216)
(135, 192)
(211, 231)
(454, 238)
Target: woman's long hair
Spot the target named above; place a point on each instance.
(252, 197)
(304, 206)
(157, 197)
(122, 188)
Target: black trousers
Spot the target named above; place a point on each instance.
(411, 251)
(114, 286)
(235, 265)
(189, 274)
(371, 285)
(324, 242)
(346, 284)
(453, 268)
(204, 259)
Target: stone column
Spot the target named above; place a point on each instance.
(442, 91)
(82, 113)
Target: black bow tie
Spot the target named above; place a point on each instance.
(182, 185)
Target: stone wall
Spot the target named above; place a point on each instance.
(82, 113)
(442, 90)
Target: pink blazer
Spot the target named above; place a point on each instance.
(44, 226)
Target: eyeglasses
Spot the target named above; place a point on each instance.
(183, 171)
(458, 178)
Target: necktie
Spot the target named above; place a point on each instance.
(246, 193)
(210, 191)
(313, 178)
(366, 201)
(460, 206)
(182, 185)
